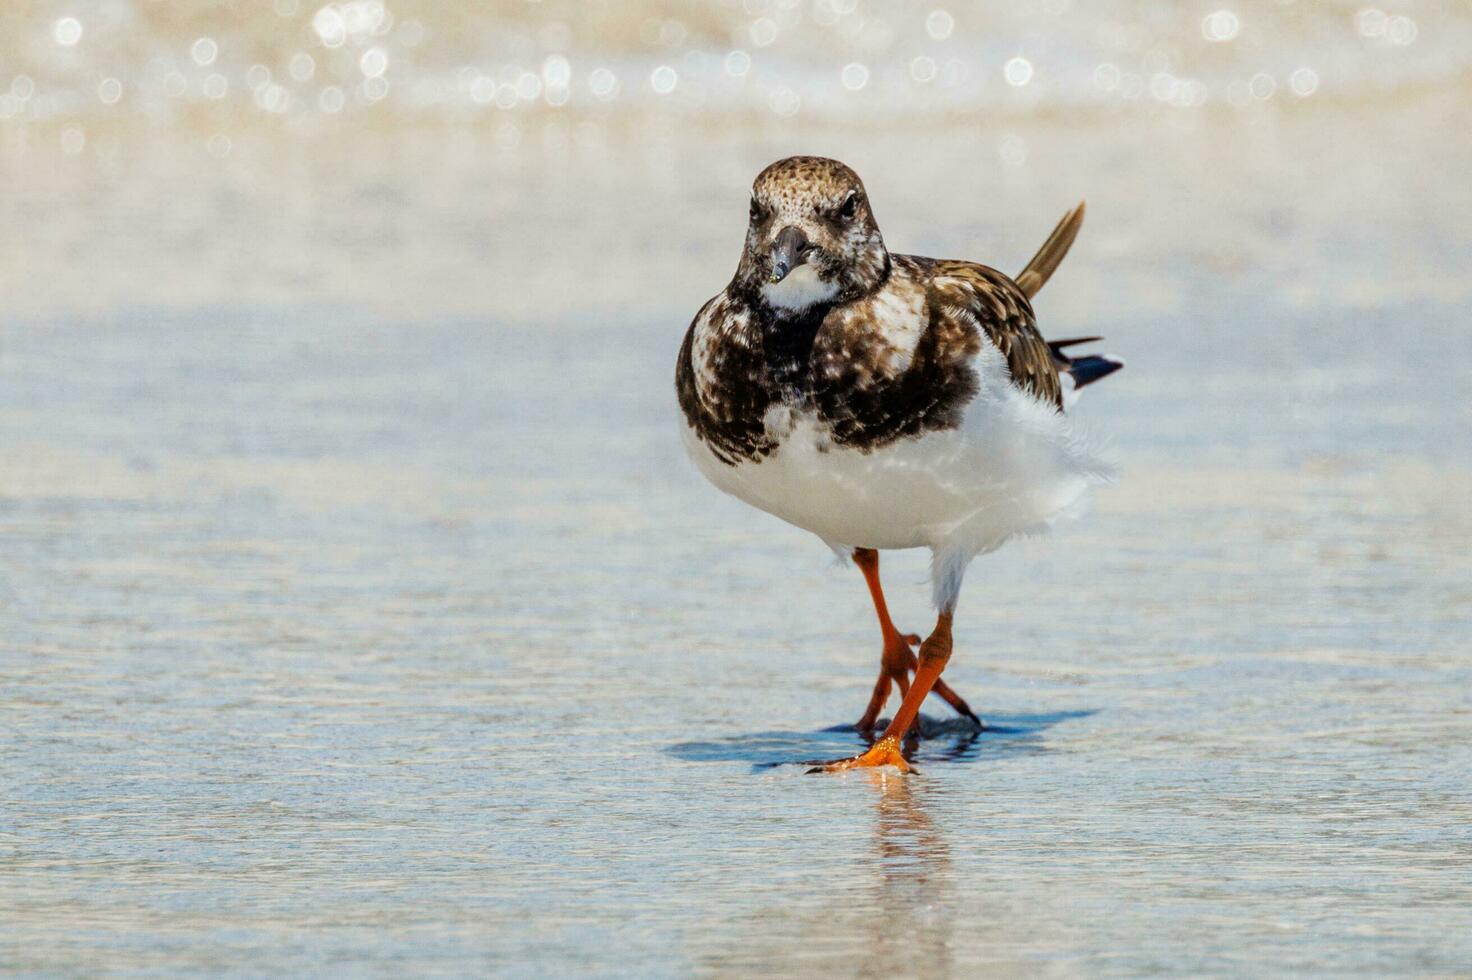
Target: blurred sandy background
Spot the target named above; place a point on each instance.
(536, 159)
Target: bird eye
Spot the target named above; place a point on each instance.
(756, 210)
(849, 207)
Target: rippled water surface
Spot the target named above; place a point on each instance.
(339, 643)
(361, 613)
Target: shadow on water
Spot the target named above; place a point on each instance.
(948, 740)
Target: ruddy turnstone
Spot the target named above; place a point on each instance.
(884, 401)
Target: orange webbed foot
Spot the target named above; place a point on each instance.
(885, 752)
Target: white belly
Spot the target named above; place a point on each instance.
(1012, 466)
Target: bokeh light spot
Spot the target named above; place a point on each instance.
(203, 51)
(939, 24)
(603, 84)
(528, 86)
(784, 101)
(1304, 82)
(373, 63)
(328, 24)
(67, 31)
(1220, 26)
(664, 79)
(1370, 22)
(854, 76)
(302, 66)
(1401, 30)
(556, 72)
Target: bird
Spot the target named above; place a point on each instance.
(884, 401)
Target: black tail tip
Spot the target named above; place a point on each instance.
(1087, 370)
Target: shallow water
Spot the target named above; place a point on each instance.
(361, 613)
(422, 648)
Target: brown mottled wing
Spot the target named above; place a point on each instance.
(729, 415)
(1004, 314)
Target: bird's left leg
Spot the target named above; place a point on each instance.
(897, 660)
(934, 653)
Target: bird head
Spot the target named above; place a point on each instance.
(812, 237)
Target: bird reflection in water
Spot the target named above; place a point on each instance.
(912, 883)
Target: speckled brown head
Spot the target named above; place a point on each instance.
(812, 238)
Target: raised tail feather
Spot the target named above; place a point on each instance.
(1040, 268)
(1089, 368)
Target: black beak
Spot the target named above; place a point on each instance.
(788, 252)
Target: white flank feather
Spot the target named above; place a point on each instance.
(1013, 466)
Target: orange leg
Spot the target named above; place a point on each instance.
(934, 653)
(898, 660)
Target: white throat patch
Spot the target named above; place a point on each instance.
(801, 289)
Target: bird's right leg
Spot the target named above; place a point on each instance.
(898, 659)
